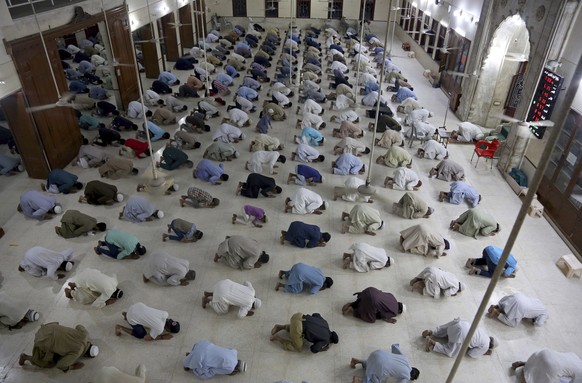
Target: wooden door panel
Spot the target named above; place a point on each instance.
(25, 135)
(120, 39)
(186, 30)
(170, 37)
(150, 53)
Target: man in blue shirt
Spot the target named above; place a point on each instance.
(61, 181)
(402, 94)
(248, 93)
(208, 171)
(301, 274)
(168, 78)
(156, 133)
(487, 264)
(382, 365)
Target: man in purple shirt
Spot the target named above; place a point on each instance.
(252, 214)
(208, 171)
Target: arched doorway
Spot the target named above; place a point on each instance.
(502, 72)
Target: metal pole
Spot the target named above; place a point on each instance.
(203, 13)
(194, 24)
(369, 176)
(357, 90)
(561, 113)
(143, 111)
(289, 34)
(392, 34)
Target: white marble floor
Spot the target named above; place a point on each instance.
(537, 249)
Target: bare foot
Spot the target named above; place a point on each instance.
(233, 219)
(281, 273)
(216, 257)
(118, 330)
(276, 328)
(182, 202)
(353, 363)
(165, 237)
(429, 345)
(23, 358)
(426, 333)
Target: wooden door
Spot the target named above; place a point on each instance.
(186, 30)
(170, 37)
(127, 80)
(26, 136)
(149, 51)
(57, 127)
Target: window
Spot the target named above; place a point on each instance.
(370, 5)
(335, 9)
(303, 9)
(271, 8)
(239, 8)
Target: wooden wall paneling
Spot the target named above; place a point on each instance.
(170, 37)
(186, 30)
(129, 87)
(149, 51)
(27, 138)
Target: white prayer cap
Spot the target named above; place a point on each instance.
(160, 214)
(322, 179)
(325, 204)
(83, 163)
(392, 261)
(258, 303)
(69, 266)
(119, 197)
(176, 187)
(403, 308)
(236, 154)
(58, 209)
(20, 168)
(242, 136)
(266, 218)
(270, 111)
(93, 351)
(495, 342)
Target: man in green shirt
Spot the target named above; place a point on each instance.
(74, 224)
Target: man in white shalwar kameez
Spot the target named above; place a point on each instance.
(139, 209)
(313, 120)
(511, 309)
(305, 201)
(166, 270)
(423, 129)
(467, 132)
(424, 240)
(403, 179)
(365, 258)
(93, 287)
(456, 331)
(239, 117)
(15, 313)
(417, 115)
(264, 158)
(432, 150)
(434, 281)
(347, 164)
(228, 133)
(362, 219)
(227, 293)
(39, 262)
(549, 366)
(307, 153)
(343, 102)
(310, 106)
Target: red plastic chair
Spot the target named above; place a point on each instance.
(485, 149)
